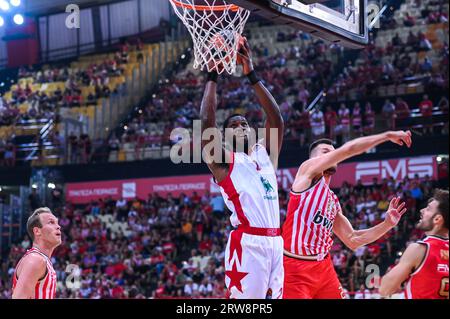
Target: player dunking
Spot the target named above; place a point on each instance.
(34, 276)
(247, 180)
(424, 263)
(314, 213)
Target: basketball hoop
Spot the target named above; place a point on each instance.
(216, 29)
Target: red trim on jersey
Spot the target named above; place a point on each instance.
(233, 196)
(235, 244)
(287, 228)
(266, 232)
(227, 179)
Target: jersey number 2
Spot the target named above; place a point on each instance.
(443, 292)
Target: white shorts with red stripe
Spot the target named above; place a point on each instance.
(254, 264)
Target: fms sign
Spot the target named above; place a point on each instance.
(398, 169)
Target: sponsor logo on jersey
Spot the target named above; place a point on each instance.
(442, 268)
(322, 220)
(268, 188)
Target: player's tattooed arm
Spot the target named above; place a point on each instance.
(274, 121)
(409, 262)
(354, 239)
(214, 154)
(316, 166)
(32, 269)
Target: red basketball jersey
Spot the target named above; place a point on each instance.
(430, 280)
(309, 221)
(46, 287)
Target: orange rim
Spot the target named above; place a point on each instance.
(232, 7)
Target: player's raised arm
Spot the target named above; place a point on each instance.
(410, 260)
(33, 268)
(270, 106)
(215, 155)
(357, 238)
(316, 166)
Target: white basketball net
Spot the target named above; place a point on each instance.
(215, 28)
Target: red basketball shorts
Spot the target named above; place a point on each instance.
(305, 279)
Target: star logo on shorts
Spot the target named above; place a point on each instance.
(235, 278)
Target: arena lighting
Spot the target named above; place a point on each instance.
(18, 19)
(34, 186)
(15, 3)
(2, 22)
(439, 159)
(4, 5)
(51, 186)
(0, 188)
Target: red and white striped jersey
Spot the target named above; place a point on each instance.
(344, 115)
(430, 279)
(250, 190)
(309, 221)
(356, 116)
(46, 287)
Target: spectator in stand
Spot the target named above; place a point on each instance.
(303, 94)
(330, 122)
(397, 41)
(85, 146)
(424, 43)
(402, 113)
(305, 126)
(357, 119)
(369, 119)
(10, 154)
(73, 149)
(426, 66)
(344, 117)
(388, 114)
(426, 109)
(409, 20)
(317, 124)
(443, 107)
(362, 293)
(412, 40)
(91, 99)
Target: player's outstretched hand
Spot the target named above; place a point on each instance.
(400, 137)
(395, 212)
(244, 56)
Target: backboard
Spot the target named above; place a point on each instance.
(338, 21)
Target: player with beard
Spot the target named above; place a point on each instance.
(314, 213)
(424, 263)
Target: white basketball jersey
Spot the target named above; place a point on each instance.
(250, 190)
